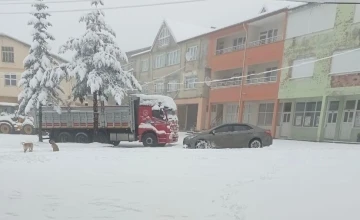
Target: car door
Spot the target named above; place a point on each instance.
(221, 138)
(242, 135)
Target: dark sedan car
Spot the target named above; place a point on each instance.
(233, 135)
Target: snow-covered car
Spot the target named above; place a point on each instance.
(10, 124)
(233, 135)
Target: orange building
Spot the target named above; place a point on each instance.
(250, 51)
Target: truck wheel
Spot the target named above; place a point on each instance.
(115, 143)
(28, 129)
(64, 137)
(5, 128)
(82, 138)
(149, 140)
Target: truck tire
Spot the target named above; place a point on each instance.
(5, 128)
(27, 129)
(82, 138)
(64, 137)
(149, 140)
(115, 143)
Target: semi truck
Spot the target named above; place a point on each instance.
(144, 119)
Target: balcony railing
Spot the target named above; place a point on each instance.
(230, 49)
(265, 41)
(259, 80)
(227, 83)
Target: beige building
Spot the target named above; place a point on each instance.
(13, 52)
(172, 66)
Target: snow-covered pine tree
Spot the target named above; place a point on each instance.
(40, 81)
(96, 63)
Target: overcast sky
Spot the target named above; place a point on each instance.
(135, 28)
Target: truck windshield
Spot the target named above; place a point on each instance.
(159, 113)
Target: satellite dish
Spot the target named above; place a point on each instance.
(208, 81)
(188, 56)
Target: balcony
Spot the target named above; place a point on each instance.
(262, 73)
(265, 41)
(224, 79)
(231, 43)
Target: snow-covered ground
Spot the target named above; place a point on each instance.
(287, 181)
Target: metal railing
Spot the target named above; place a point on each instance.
(230, 49)
(227, 83)
(258, 80)
(265, 41)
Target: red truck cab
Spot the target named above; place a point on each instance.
(156, 125)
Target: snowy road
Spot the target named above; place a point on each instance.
(288, 181)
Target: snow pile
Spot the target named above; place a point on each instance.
(96, 64)
(152, 100)
(289, 181)
(149, 126)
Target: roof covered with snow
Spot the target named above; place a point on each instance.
(28, 45)
(153, 100)
(183, 31)
(276, 5)
(9, 104)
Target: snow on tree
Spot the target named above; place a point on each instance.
(96, 64)
(40, 81)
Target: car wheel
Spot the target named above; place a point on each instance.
(202, 144)
(149, 140)
(255, 143)
(5, 128)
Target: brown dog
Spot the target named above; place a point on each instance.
(27, 146)
(54, 145)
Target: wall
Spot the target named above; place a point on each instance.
(344, 35)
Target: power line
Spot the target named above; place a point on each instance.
(261, 73)
(110, 8)
(7, 2)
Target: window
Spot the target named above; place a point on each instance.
(10, 80)
(173, 57)
(159, 87)
(251, 77)
(357, 115)
(242, 128)
(345, 63)
(190, 82)
(268, 36)
(307, 114)
(225, 128)
(303, 70)
(145, 65)
(173, 85)
(7, 54)
(220, 47)
(265, 115)
(239, 43)
(160, 61)
(193, 53)
(271, 74)
(164, 37)
(231, 113)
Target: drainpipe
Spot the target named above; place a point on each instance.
(241, 106)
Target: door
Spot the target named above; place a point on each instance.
(231, 113)
(242, 135)
(347, 122)
(285, 123)
(248, 109)
(331, 119)
(222, 137)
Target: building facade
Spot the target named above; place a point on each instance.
(320, 94)
(13, 52)
(251, 52)
(172, 66)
